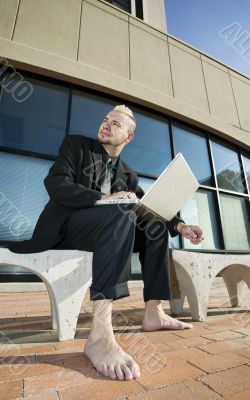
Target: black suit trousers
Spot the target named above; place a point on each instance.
(113, 233)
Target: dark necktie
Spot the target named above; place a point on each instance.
(107, 176)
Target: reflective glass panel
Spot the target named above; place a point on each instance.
(227, 167)
(236, 224)
(22, 194)
(246, 162)
(123, 4)
(201, 211)
(148, 153)
(145, 184)
(87, 113)
(194, 149)
(34, 119)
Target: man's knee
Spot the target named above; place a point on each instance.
(155, 229)
(125, 213)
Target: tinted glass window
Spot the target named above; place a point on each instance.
(236, 224)
(201, 210)
(35, 121)
(246, 162)
(194, 149)
(22, 194)
(87, 113)
(123, 4)
(227, 167)
(145, 184)
(148, 153)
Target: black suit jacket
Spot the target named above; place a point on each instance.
(71, 185)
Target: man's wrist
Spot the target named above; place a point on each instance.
(178, 226)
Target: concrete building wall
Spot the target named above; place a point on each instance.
(96, 45)
(154, 14)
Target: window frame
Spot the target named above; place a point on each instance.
(170, 121)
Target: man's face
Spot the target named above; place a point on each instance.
(114, 129)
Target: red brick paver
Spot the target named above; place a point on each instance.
(209, 362)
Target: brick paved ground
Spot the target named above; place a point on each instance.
(211, 361)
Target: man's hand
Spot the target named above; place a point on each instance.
(119, 195)
(192, 232)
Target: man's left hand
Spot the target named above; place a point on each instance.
(192, 232)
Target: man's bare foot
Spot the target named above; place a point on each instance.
(103, 350)
(155, 318)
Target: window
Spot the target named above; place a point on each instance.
(150, 151)
(201, 210)
(125, 5)
(227, 167)
(134, 7)
(38, 123)
(139, 9)
(87, 113)
(246, 162)
(236, 224)
(22, 194)
(194, 149)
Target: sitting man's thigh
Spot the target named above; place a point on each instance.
(84, 225)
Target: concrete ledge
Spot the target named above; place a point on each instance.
(16, 287)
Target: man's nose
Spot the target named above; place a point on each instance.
(106, 125)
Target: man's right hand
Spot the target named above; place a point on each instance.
(119, 195)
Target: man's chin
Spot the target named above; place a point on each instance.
(104, 140)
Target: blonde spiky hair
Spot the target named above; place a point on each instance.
(125, 110)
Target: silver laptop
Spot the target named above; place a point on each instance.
(170, 191)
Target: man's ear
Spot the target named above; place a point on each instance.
(130, 136)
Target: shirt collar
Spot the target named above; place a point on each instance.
(106, 156)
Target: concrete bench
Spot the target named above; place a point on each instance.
(67, 275)
(192, 274)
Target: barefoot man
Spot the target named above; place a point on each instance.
(87, 170)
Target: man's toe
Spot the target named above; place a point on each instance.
(127, 372)
(133, 368)
(104, 370)
(119, 373)
(111, 372)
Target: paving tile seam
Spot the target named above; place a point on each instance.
(10, 380)
(23, 388)
(55, 388)
(204, 351)
(43, 393)
(164, 386)
(208, 386)
(222, 340)
(218, 370)
(244, 334)
(227, 369)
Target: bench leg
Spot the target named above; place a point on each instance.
(236, 279)
(53, 311)
(67, 283)
(195, 289)
(176, 305)
(198, 303)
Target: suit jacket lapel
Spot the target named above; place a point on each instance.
(92, 171)
(120, 179)
(97, 167)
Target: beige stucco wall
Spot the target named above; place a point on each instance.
(154, 14)
(96, 45)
